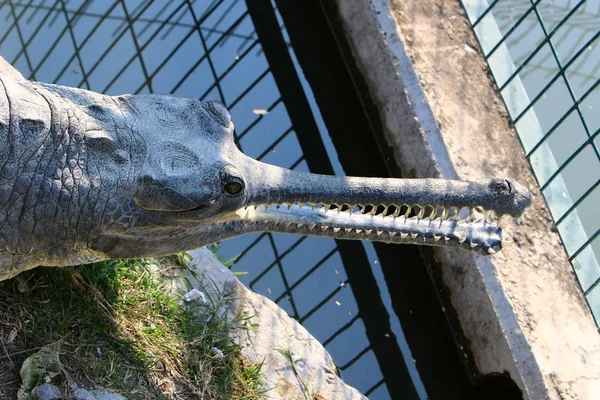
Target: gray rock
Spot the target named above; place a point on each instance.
(46, 392)
(273, 338)
(80, 393)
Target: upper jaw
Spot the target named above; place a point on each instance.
(436, 212)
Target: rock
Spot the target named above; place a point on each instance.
(46, 392)
(79, 393)
(293, 360)
(42, 367)
(39, 368)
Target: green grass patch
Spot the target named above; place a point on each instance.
(121, 327)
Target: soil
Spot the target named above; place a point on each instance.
(534, 272)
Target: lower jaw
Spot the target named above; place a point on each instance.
(479, 236)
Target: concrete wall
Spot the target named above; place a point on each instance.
(521, 309)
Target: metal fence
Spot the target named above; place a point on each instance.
(207, 50)
(545, 59)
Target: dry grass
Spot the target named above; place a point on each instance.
(120, 328)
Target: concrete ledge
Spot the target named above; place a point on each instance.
(521, 310)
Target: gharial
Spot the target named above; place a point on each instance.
(85, 177)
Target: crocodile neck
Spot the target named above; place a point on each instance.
(53, 194)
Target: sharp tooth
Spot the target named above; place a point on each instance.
(311, 226)
(368, 231)
(324, 228)
(403, 235)
(379, 233)
(414, 235)
(392, 234)
(473, 245)
(358, 230)
(462, 239)
(336, 230)
(431, 214)
(347, 230)
(491, 251)
(299, 225)
(436, 238)
(446, 238)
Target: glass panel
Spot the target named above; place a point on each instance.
(588, 209)
(572, 232)
(551, 106)
(577, 30)
(586, 265)
(582, 172)
(590, 109)
(572, 118)
(593, 299)
(585, 70)
(567, 138)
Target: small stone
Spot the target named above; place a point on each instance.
(46, 392)
(22, 285)
(79, 393)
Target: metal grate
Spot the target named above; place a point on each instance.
(545, 59)
(207, 50)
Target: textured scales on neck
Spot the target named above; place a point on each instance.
(85, 177)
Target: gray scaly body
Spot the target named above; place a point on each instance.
(85, 177)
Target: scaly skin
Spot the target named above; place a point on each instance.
(85, 177)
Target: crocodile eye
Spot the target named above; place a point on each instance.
(232, 185)
(233, 188)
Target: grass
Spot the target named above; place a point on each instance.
(120, 327)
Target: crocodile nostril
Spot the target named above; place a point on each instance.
(219, 111)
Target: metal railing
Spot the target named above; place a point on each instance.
(545, 59)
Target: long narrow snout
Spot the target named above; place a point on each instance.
(437, 212)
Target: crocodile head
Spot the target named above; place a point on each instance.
(195, 188)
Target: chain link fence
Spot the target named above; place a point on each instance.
(545, 58)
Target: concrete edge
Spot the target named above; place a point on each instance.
(267, 330)
(374, 35)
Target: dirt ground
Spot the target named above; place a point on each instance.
(534, 272)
